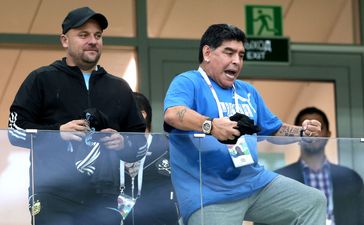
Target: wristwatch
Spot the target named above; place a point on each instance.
(207, 126)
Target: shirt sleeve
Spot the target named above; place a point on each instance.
(25, 112)
(181, 92)
(26, 108)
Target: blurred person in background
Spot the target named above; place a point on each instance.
(149, 180)
(343, 187)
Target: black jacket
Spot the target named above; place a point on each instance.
(347, 192)
(56, 94)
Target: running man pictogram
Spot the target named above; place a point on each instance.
(264, 20)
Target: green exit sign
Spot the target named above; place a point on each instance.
(263, 20)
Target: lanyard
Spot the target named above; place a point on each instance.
(212, 89)
(140, 171)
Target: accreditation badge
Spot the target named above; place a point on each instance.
(35, 208)
(125, 204)
(240, 153)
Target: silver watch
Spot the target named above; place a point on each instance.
(207, 126)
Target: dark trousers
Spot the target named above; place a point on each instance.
(55, 210)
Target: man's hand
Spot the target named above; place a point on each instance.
(311, 128)
(224, 129)
(74, 130)
(113, 142)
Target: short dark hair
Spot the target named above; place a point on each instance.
(144, 105)
(311, 110)
(216, 34)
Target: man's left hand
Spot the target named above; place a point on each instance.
(311, 128)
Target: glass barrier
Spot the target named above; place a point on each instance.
(14, 182)
(230, 173)
(103, 178)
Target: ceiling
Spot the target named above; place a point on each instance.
(318, 21)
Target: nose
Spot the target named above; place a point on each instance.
(237, 59)
(92, 39)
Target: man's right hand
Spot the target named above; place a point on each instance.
(74, 130)
(224, 129)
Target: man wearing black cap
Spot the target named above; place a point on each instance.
(75, 178)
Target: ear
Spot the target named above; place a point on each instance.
(206, 51)
(64, 40)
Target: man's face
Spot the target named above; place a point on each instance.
(319, 144)
(224, 63)
(84, 45)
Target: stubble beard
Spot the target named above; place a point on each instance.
(88, 62)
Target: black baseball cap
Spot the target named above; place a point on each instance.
(79, 16)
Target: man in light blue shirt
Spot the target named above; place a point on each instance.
(230, 190)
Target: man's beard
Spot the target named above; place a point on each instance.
(312, 150)
(88, 62)
(314, 147)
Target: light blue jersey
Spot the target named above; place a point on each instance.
(221, 181)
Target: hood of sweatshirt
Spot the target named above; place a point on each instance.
(74, 70)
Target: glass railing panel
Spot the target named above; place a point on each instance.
(156, 201)
(306, 159)
(101, 178)
(187, 153)
(225, 175)
(14, 182)
(94, 177)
